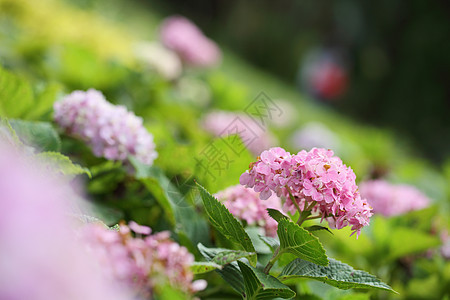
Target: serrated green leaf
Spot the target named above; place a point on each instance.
(336, 274)
(317, 227)
(276, 214)
(41, 135)
(262, 286)
(230, 272)
(59, 163)
(16, 95)
(273, 243)
(200, 267)
(226, 223)
(301, 243)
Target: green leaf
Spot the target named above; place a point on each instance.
(301, 243)
(317, 227)
(276, 214)
(200, 267)
(157, 183)
(406, 241)
(273, 243)
(46, 95)
(228, 256)
(16, 95)
(336, 274)
(57, 162)
(180, 214)
(37, 134)
(230, 272)
(162, 196)
(226, 224)
(262, 286)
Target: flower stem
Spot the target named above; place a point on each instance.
(313, 217)
(272, 261)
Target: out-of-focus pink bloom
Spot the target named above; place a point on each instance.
(245, 205)
(40, 258)
(142, 263)
(111, 131)
(164, 61)
(182, 36)
(316, 179)
(390, 199)
(225, 123)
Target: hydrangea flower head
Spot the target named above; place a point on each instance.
(144, 261)
(390, 200)
(317, 181)
(111, 131)
(182, 36)
(245, 204)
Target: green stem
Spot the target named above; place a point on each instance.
(313, 217)
(306, 213)
(272, 261)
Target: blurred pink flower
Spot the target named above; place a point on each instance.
(224, 123)
(245, 204)
(390, 200)
(317, 180)
(40, 257)
(182, 36)
(111, 131)
(142, 263)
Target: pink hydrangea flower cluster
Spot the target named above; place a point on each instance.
(182, 36)
(256, 140)
(390, 200)
(317, 180)
(111, 131)
(142, 262)
(245, 204)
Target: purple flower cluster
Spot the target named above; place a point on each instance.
(317, 180)
(142, 262)
(182, 36)
(111, 131)
(391, 200)
(217, 123)
(245, 204)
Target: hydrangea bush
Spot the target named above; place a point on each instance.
(111, 131)
(272, 236)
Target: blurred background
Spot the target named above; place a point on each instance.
(394, 55)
